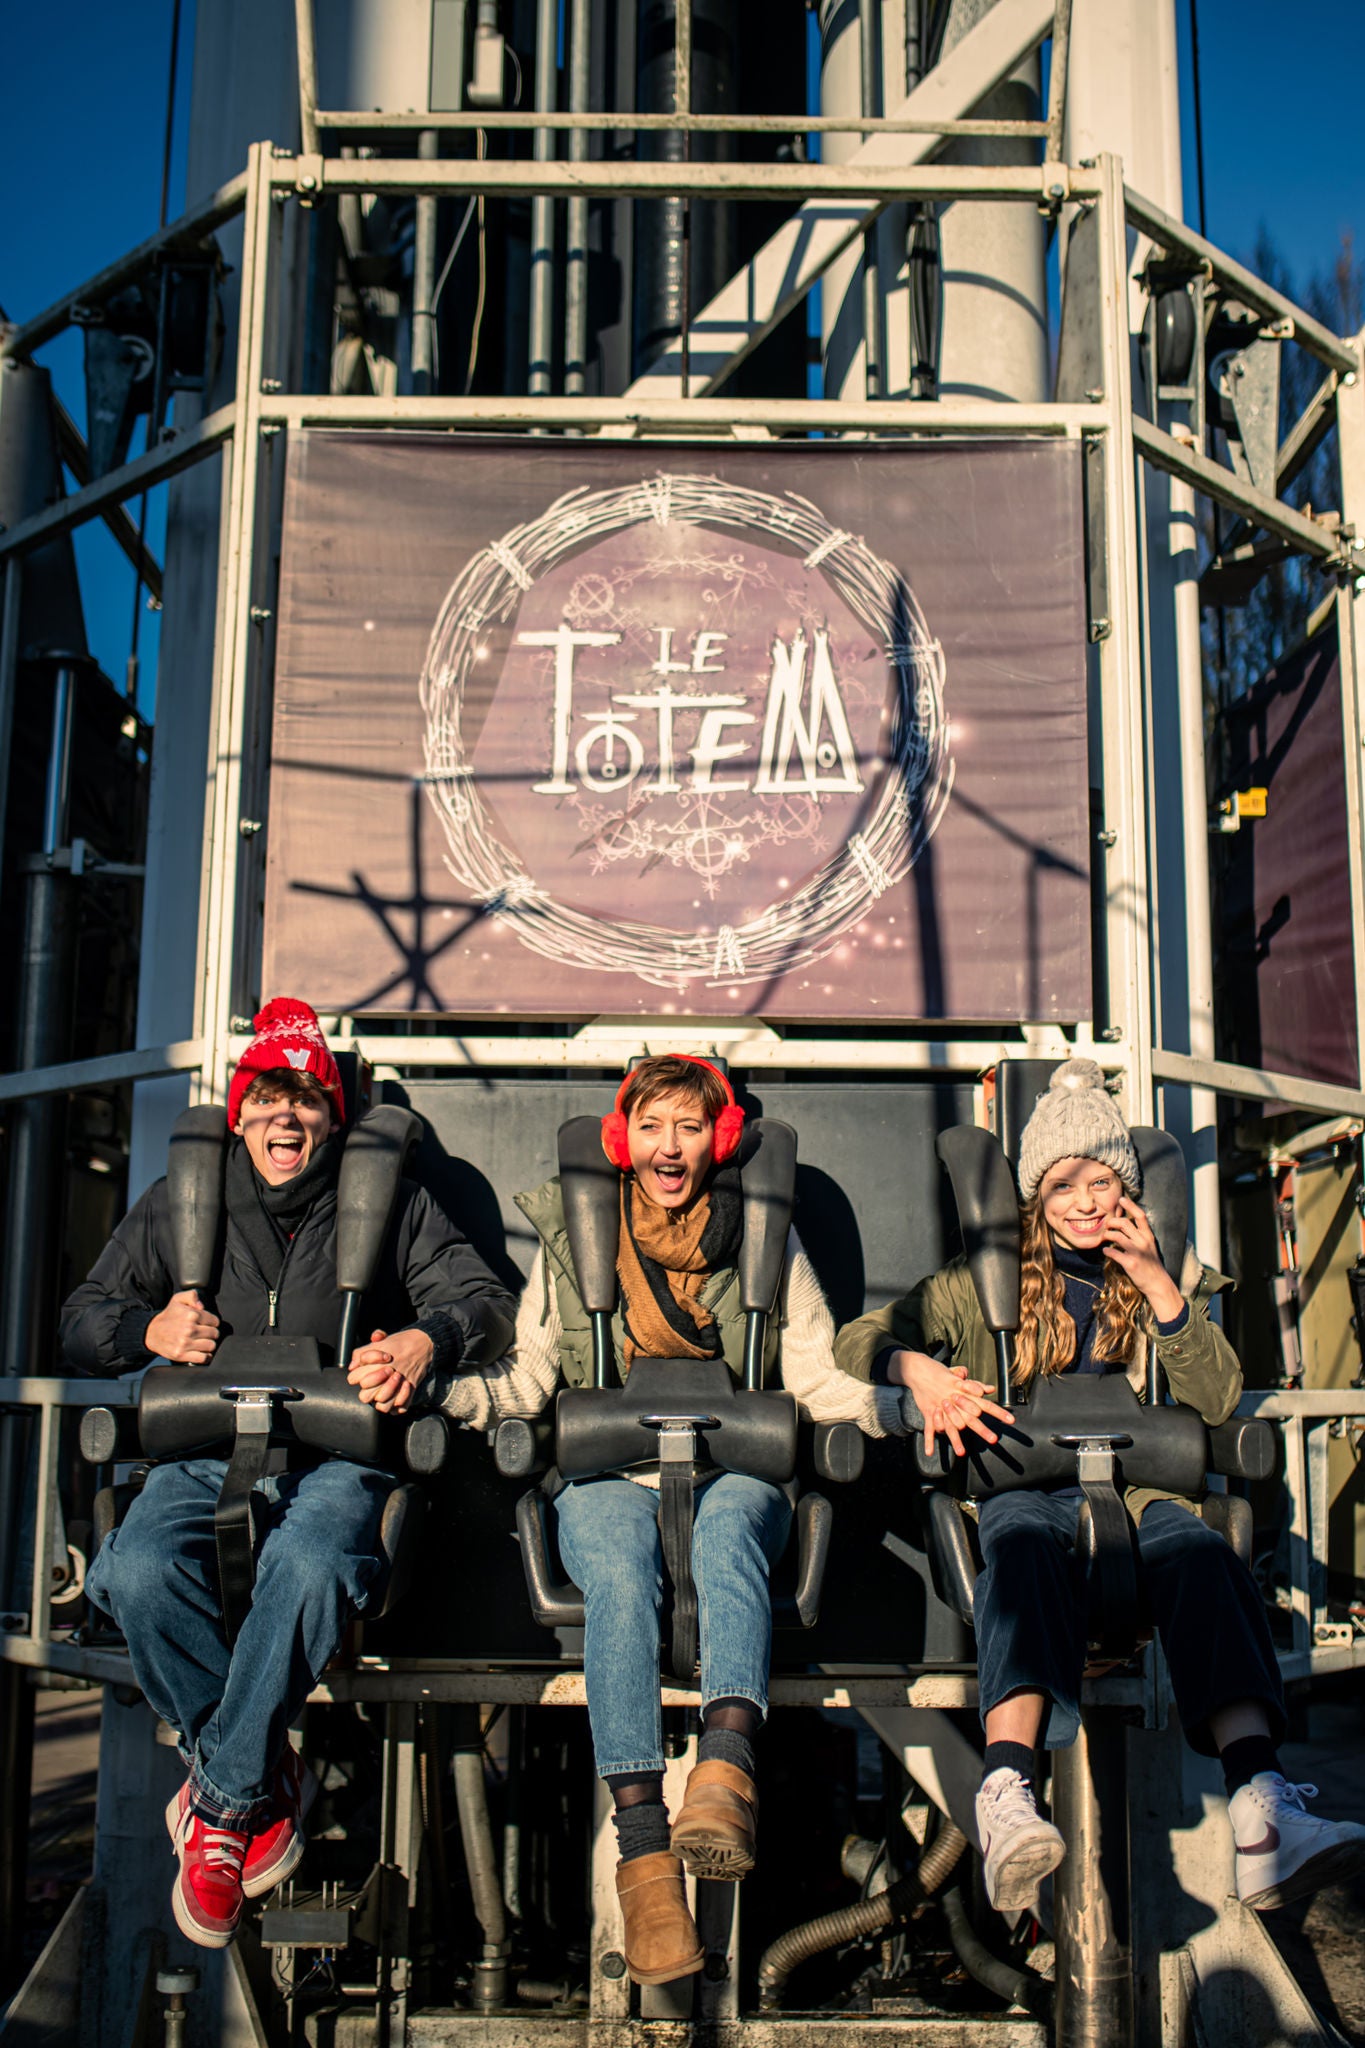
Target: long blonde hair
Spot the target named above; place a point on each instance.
(1046, 1343)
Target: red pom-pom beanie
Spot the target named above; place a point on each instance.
(287, 1035)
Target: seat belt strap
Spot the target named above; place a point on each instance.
(233, 1528)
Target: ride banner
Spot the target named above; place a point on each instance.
(564, 728)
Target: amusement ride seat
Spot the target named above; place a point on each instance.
(279, 1390)
(675, 1412)
(1081, 1429)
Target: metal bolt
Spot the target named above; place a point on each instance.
(1096, 396)
(269, 384)
(1056, 191)
(260, 613)
(1112, 1033)
(269, 428)
(613, 1964)
(279, 197)
(1100, 629)
(248, 826)
(239, 1023)
(1108, 837)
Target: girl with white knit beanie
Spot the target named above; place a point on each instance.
(1094, 1295)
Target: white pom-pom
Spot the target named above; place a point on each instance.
(1078, 1073)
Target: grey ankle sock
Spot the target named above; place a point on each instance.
(724, 1746)
(641, 1830)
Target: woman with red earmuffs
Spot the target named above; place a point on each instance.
(673, 1134)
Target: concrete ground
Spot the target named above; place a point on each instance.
(1324, 1941)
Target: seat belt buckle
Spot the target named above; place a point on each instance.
(1095, 1465)
(678, 1435)
(253, 1407)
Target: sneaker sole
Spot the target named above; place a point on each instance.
(273, 1875)
(204, 1937)
(1331, 1866)
(1017, 1882)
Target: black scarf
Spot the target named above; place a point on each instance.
(268, 1217)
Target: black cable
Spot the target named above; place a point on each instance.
(1198, 113)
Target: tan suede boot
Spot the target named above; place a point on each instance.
(661, 1936)
(714, 1833)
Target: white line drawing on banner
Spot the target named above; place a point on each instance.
(796, 766)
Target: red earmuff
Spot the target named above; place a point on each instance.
(729, 1126)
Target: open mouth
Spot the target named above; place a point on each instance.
(1087, 1226)
(671, 1180)
(284, 1150)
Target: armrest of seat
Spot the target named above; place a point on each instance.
(837, 1452)
(952, 1565)
(110, 1435)
(554, 1605)
(814, 1527)
(425, 1443)
(1242, 1448)
(522, 1448)
(1231, 1515)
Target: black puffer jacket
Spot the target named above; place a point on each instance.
(428, 1276)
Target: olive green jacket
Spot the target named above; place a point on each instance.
(1200, 1365)
(544, 1210)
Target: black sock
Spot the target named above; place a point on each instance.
(1012, 1756)
(1245, 1759)
(727, 1734)
(641, 1818)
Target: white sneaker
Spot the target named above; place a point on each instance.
(1283, 1851)
(1019, 1848)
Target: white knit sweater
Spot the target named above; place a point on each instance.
(524, 1381)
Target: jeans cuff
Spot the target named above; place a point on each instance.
(610, 1769)
(758, 1701)
(221, 1810)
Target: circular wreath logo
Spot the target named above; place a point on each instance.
(698, 758)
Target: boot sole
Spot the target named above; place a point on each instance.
(713, 1860)
(1331, 1866)
(1017, 1882)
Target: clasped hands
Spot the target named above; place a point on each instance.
(386, 1372)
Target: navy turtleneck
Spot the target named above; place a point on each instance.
(1083, 1277)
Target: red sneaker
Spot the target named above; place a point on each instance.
(276, 1848)
(206, 1897)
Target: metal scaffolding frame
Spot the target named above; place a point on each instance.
(250, 436)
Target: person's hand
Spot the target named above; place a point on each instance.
(184, 1332)
(1131, 1243)
(389, 1370)
(949, 1400)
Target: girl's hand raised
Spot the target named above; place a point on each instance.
(948, 1400)
(1130, 1242)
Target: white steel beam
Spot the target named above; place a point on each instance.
(760, 295)
(668, 412)
(1351, 646)
(842, 185)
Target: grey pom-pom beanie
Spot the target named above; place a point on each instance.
(1077, 1119)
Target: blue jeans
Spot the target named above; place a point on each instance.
(1030, 1613)
(157, 1575)
(609, 1541)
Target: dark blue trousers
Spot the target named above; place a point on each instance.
(1030, 1613)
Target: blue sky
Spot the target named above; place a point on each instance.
(82, 119)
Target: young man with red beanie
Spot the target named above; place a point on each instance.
(434, 1307)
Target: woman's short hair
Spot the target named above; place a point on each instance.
(667, 1074)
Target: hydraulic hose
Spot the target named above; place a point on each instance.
(850, 1923)
(1017, 1987)
(490, 1974)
